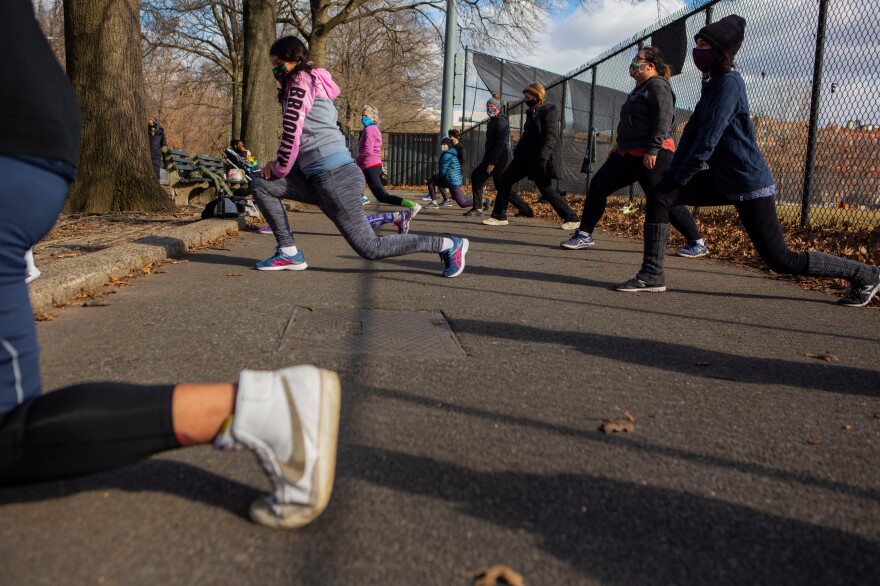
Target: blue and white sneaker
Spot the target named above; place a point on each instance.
(282, 262)
(365, 200)
(403, 220)
(445, 203)
(453, 259)
(578, 241)
(428, 198)
(693, 250)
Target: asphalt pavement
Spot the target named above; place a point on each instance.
(752, 459)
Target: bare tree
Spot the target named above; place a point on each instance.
(487, 23)
(105, 66)
(260, 120)
(209, 30)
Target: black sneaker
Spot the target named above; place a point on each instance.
(474, 212)
(861, 295)
(636, 285)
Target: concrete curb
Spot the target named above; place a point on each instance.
(65, 278)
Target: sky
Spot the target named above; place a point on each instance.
(575, 35)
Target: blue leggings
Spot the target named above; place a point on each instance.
(31, 198)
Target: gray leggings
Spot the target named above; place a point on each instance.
(338, 193)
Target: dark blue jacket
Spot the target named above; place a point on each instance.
(720, 133)
(450, 167)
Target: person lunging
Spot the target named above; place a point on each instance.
(720, 133)
(534, 158)
(644, 151)
(313, 165)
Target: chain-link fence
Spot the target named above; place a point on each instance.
(814, 94)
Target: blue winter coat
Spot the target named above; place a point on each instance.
(720, 133)
(450, 167)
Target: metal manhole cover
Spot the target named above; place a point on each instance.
(369, 331)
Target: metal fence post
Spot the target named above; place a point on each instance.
(814, 112)
(464, 88)
(592, 127)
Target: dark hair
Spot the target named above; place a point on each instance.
(453, 133)
(655, 55)
(291, 49)
(448, 142)
(234, 142)
(723, 64)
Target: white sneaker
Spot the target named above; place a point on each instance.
(495, 222)
(32, 275)
(571, 225)
(290, 419)
(415, 210)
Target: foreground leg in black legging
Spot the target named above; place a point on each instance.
(84, 429)
(373, 175)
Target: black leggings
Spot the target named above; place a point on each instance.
(757, 215)
(620, 171)
(373, 176)
(519, 169)
(481, 175)
(84, 429)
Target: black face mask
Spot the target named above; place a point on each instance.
(531, 103)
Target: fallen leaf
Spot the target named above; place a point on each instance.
(814, 442)
(826, 356)
(495, 576)
(233, 274)
(617, 426)
(95, 303)
(847, 427)
(43, 316)
(629, 416)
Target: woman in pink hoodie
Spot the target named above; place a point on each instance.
(314, 166)
(369, 159)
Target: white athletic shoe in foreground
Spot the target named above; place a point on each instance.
(290, 419)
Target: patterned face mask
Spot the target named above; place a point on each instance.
(280, 72)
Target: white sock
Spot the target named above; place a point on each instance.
(288, 250)
(584, 234)
(29, 259)
(447, 244)
(700, 242)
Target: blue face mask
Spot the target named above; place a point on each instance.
(366, 120)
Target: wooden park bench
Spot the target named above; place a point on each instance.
(188, 183)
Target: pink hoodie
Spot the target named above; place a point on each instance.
(309, 135)
(369, 148)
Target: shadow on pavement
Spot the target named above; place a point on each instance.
(154, 475)
(623, 533)
(629, 443)
(683, 359)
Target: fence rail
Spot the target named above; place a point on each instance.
(815, 100)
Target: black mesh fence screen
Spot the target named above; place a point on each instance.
(814, 97)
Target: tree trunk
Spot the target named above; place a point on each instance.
(318, 45)
(261, 115)
(105, 66)
(236, 104)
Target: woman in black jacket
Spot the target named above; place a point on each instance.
(497, 155)
(644, 151)
(157, 140)
(533, 158)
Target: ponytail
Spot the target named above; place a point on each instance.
(655, 55)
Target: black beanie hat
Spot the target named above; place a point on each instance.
(726, 34)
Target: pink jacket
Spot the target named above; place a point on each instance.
(369, 147)
(308, 103)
